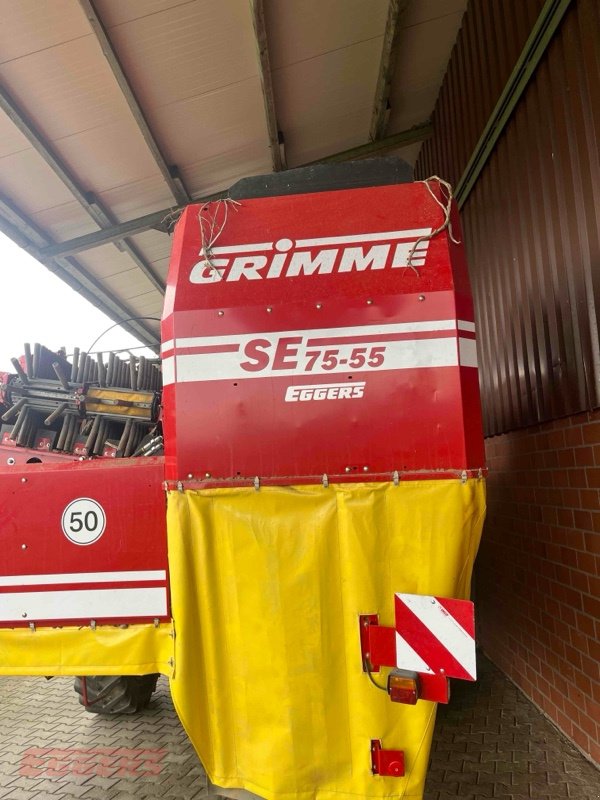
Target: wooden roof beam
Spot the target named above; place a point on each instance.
(387, 65)
(262, 49)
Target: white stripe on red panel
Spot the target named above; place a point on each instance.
(84, 577)
(240, 356)
(394, 327)
(83, 604)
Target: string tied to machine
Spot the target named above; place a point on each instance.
(212, 218)
(446, 224)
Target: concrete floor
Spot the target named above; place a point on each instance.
(490, 742)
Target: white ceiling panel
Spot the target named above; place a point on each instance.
(211, 124)
(29, 26)
(324, 104)
(64, 221)
(130, 285)
(30, 183)
(300, 31)
(116, 13)
(193, 66)
(107, 262)
(428, 10)
(66, 89)
(137, 198)
(425, 44)
(11, 139)
(183, 51)
(110, 156)
(220, 171)
(154, 245)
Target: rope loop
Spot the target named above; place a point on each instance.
(212, 218)
(446, 224)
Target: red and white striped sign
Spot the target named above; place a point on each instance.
(436, 636)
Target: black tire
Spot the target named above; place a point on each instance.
(115, 694)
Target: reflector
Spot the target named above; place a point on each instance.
(403, 686)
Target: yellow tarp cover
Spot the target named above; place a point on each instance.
(108, 650)
(267, 587)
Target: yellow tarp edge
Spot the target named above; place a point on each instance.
(107, 650)
(267, 588)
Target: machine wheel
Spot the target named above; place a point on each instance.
(115, 694)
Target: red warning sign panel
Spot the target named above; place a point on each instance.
(435, 636)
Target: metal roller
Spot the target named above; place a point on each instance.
(37, 354)
(20, 371)
(23, 435)
(124, 438)
(28, 358)
(89, 442)
(141, 384)
(63, 432)
(86, 369)
(132, 372)
(81, 367)
(110, 369)
(101, 370)
(58, 411)
(18, 424)
(130, 446)
(75, 365)
(14, 410)
(60, 375)
(101, 438)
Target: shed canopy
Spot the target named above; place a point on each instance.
(116, 113)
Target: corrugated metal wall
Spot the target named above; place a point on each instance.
(532, 222)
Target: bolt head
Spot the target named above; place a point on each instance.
(207, 474)
(23, 480)
(365, 469)
(190, 476)
(24, 614)
(319, 305)
(220, 313)
(348, 469)
(23, 547)
(421, 298)
(269, 309)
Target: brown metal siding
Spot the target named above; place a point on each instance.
(532, 222)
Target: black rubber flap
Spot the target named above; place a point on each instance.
(325, 178)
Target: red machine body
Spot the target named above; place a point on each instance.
(83, 542)
(291, 334)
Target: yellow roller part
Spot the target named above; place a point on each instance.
(118, 402)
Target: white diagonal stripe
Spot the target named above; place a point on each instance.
(467, 350)
(466, 325)
(407, 658)
(445, 629)
(242, 339)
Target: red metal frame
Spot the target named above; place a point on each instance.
(41, 568)
(386, 762)
(270, 344)
(378, 649)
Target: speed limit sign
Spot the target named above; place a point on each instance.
(83, 521)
